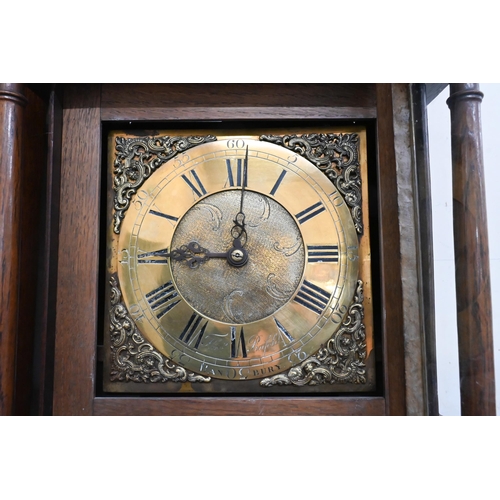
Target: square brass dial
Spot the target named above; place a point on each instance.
(239, 263)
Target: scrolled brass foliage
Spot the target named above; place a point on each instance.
(340, 361)
(132, 358)
(337, 156)
(137, 158)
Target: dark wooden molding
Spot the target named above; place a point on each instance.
(31, 232)
(43, 367)
(472, 269)
(198, 102)
(426, 255)
(13, 92)
(12, 101)
(236, 113)
(227, 95)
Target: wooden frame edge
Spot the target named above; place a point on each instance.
(257, 406)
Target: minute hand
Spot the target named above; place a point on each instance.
(238, 231)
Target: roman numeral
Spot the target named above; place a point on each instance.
(278, 183)
(310, 212)
(157, 257)
(165, 216)
(237, 180)
(313, 297)
(238, 345)
(322, 253)
(193, 330)
(198, 192)
(162, 299)
(283, 330)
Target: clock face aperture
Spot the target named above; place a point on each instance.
(218, 316)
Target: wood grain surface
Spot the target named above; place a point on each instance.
(78, 264)
(344, 406)
(390, 257)
(472, 268)
(237, 101)
(218, 95)
(12, 101)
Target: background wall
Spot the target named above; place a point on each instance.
(442, 206)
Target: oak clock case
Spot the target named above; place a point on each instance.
(235, 264)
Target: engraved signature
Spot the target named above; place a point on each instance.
(261, 343)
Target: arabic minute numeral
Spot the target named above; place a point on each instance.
(235, 143)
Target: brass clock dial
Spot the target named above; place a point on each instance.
(237, 259)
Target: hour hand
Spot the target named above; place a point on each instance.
(193, 254)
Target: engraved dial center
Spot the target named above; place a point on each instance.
(261, 278)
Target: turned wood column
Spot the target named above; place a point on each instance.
(472, 268)
(12, 101)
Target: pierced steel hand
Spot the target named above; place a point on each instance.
(238, 231)
(193, 254)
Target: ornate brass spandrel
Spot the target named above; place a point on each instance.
(137, 158)
(340, 361)
(337, 155)
(132, 358)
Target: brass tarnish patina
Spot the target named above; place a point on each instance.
(137, 158)
(340, 361)
(132, 358)
(239, 262)
(274, 269)
(337, 156)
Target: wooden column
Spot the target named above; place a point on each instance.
(12, 101)
(472, 269)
